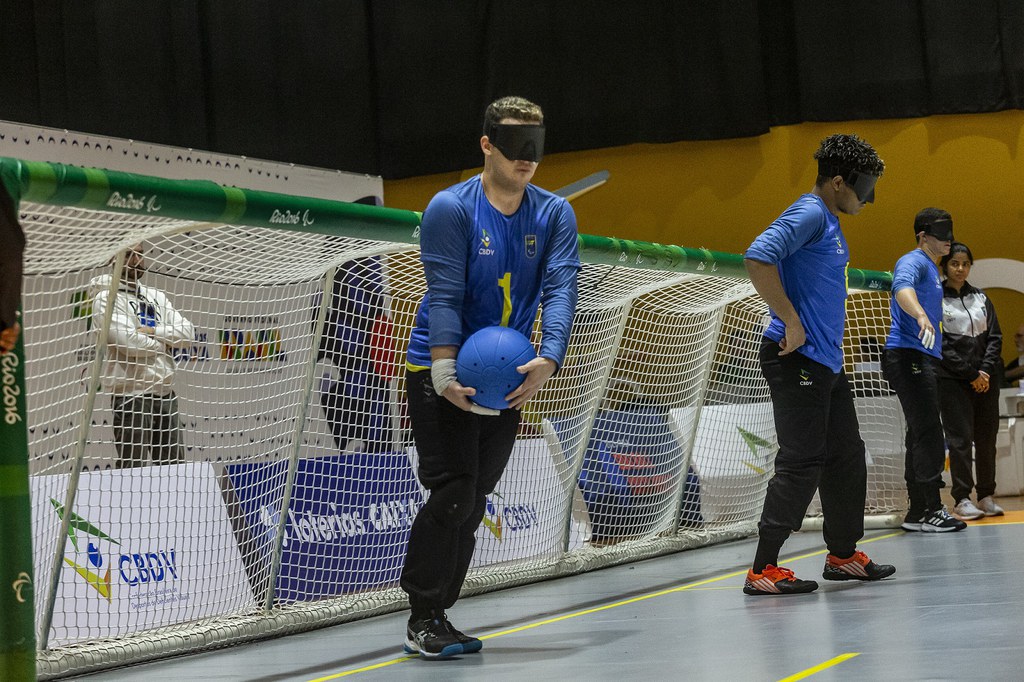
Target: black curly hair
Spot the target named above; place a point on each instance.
(842, 154)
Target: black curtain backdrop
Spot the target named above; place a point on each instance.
(398, 87)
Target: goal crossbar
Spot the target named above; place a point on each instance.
(206, 201)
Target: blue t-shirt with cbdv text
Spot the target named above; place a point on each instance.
(810, 251)
(916, 270)
(485, 268)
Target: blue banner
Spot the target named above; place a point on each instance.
(347, 525)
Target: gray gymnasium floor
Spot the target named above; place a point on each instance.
(954, 610)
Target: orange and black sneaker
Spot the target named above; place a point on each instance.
(776, 580)
(857, 567)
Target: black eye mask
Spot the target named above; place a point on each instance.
(516, 141)
(862, 184)
(940, 228)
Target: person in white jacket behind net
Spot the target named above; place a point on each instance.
(139, 370)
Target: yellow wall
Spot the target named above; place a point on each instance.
(721, 194)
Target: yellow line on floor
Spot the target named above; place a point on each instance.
(598, 609)
(818, 668)
(1010, 517)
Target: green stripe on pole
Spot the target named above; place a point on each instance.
(97, 188)
(17, 624)
(205, 201)
(234, 205)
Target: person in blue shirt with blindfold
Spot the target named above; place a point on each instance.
(494, 248)
(798, 266)
(913, 351)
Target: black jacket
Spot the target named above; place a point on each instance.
(971, 339)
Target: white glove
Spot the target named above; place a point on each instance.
(442, 374)
(928, 338)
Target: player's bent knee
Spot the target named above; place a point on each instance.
(452, 503)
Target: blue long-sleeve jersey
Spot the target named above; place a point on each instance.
(484, 268)
(810, 251)
(917, 271)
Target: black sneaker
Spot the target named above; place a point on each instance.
(941, 521)
(912, 521)
(431, 638)
(776, 580)
(470, 645)
(857, 567)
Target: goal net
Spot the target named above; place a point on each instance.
(237, 461)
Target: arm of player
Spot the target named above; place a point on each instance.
(559, 287)
(768, 284)
(906, 298)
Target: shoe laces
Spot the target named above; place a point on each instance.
(777, 573)
(857, 557)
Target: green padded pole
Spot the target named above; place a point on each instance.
(17, 622)
(17, 593)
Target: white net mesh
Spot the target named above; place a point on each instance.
(286, 483)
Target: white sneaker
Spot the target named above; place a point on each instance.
(966, 510)
(988, 507)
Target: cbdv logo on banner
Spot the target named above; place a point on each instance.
(133, 559)
(346, 528)
(525, 515)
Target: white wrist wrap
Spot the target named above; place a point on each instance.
(442, 374)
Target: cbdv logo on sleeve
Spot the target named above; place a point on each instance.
(346, 528)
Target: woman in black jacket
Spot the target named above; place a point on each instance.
(969, 379)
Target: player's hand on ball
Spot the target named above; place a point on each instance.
(459, 396)
(537, 371)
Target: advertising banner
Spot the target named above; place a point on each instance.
(525, 515)
(145, 547)
(347, 524)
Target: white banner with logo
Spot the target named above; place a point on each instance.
(145, 548)
(525, 515)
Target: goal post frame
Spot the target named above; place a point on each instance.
(208, 203)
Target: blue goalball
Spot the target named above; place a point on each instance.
(487, 361)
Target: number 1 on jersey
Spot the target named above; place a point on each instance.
(506, 289)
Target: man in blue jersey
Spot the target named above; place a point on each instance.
(798, 266)
(493, 249)
(913, 349)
